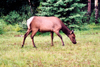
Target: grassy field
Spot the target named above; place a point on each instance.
(86, 53)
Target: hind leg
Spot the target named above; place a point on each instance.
(25, 35)
(32, 36)
(51, 38)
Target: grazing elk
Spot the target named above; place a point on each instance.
(47, 24)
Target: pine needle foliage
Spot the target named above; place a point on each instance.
(69, 11)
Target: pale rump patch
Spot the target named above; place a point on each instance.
(29, 21)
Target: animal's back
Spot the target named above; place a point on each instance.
(46, 23)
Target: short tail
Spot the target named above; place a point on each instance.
(29, 21)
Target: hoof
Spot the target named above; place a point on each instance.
(63, 45)
(34, 47)
(22, 46)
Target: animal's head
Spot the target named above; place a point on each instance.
(72, 37)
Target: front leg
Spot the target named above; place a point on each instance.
(52, 39)
(57, 32)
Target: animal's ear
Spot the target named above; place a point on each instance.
(72, 32)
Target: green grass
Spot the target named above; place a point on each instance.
(86, 53)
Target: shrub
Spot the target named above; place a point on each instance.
(12, 18)
(17, 28)
(98, 18)
(83, 26)
(23, 24)
(2, 26)
(15, 21)
(8, 28)
(1, 29)
(92, 17)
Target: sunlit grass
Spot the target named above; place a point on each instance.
(85, 53)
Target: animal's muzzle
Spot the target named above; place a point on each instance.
(74, 42)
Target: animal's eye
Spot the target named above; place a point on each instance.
(73, 37)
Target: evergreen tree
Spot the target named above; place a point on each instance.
(66, 10)
(96, 11)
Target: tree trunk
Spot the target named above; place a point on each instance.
(89, 7)
(96, 11)
(30, 6)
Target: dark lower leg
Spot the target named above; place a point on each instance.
(32, 37)
(51, 38)
(61, 40)
(33, 42)
(60, 37)
(26, 34)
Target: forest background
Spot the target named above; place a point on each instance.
(14, 13)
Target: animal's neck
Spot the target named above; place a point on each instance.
(65, 30)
